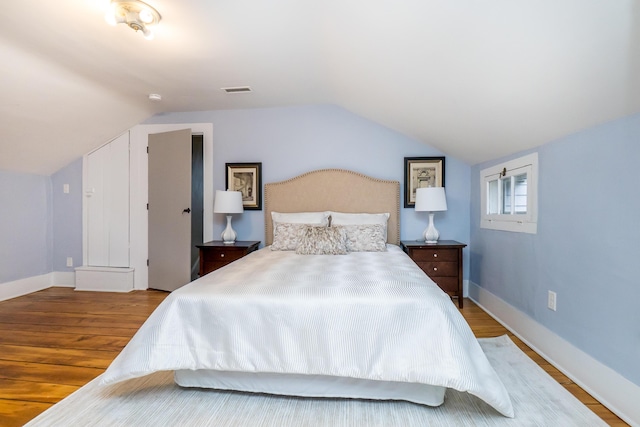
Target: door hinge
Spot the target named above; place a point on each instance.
(147, 263)
(147, 206)
(147, 149)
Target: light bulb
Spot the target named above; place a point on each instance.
(148, 34)
(146, 16)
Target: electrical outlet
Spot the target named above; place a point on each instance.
(551, 302)
(69, 261)
(65, 188)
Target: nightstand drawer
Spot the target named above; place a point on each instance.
(439, 269)
(224, 256)
(435, 255)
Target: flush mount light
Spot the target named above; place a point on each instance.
(138, 15)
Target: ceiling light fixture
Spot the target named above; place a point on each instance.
(138, 15)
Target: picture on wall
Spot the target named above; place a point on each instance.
(421, 172)
(246, 178)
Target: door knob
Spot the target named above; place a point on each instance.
(188, 210)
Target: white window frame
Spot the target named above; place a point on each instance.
(523, 223)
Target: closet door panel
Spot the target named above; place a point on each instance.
(119, 202)
(107, 199)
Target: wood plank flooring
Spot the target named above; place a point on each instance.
(54, 341)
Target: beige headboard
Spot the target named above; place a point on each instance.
(334, 190)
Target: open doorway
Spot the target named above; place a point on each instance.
(197, 201)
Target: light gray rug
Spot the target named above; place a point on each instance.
(156, 401)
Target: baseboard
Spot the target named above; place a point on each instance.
(610, 388)
(63, 279)
(18, 288)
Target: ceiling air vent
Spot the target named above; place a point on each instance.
(239, 89)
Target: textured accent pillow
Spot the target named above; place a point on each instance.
(341, 218)
(286, 236)
(365, 238)
(322, 241)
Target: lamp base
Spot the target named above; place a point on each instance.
(431, 235)
(228, 235)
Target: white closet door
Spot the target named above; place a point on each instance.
(107, 198)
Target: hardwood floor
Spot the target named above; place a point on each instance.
(54, 341)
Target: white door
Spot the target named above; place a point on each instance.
(169, 209)
(107, 203)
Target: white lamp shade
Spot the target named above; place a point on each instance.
(430, 199)
(228, 202)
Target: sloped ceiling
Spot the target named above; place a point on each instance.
(475, 79)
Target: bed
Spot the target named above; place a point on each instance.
(293, 318)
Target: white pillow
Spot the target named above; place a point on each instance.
(340, 218)
(320, 218)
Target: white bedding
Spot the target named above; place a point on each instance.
(365, 315)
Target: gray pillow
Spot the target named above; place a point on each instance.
(286, 236)
(322, 241)
(365, 237)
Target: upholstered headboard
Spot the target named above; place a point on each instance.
(334, 190)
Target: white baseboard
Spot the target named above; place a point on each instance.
(25, 286)
(610, 388)
(32, 284)
(63, 279)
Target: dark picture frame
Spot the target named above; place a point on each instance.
(421, 172)
(246, 178)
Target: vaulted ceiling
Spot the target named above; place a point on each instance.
(475, 79)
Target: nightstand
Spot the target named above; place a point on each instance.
(216, 254)
(441, 261)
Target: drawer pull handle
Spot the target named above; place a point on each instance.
(221, 255)
(435, 268)
(435, 255)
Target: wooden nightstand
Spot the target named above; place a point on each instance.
(441, 261)
(216, 254)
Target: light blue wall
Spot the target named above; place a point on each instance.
(67, 216)
(293, 140)
(25, 226)
(586, 249)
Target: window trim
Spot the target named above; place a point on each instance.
(523, 223)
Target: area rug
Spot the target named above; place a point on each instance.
(155, 400)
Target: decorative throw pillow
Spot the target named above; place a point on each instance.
(365, 238)
(322, 241)
(286, 236)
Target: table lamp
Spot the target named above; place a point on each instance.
(430, 199)
(228, 202)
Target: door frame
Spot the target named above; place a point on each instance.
(139, 187)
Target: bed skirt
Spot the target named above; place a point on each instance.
(311, 386)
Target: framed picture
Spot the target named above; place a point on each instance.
(421, 172)
(246, 178)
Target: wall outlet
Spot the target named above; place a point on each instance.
(551, 301)
(69, 261)
(65, 188)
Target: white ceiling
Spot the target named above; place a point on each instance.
(475, 79)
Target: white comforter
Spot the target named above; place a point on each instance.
(370, 315)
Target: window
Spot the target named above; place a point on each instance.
(510, 196)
